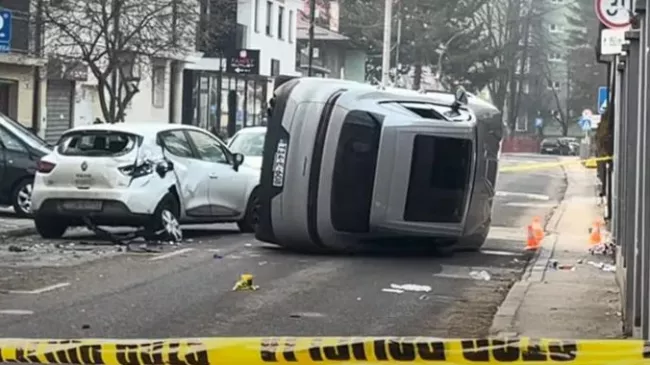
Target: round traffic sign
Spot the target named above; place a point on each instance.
(586, 113)
(613, 13)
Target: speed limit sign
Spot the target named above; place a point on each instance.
(614, 14)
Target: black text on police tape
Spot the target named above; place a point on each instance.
(76, 352)
(275, 350)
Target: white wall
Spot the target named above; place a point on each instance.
(270, 46)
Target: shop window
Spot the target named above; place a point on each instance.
(158, 87)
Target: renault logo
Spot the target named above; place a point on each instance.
(84, 166)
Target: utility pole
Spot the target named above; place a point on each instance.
(117, 62)
(399, 36)
(38, 50)
(312, 20)
(385, 59)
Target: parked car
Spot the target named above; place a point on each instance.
(20, 150)
(250, 143)
(554, 146)
(572, 142)
(156, 176)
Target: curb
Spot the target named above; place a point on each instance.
(17, 232)
(503, 323)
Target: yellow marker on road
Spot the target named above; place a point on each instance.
(590, 163)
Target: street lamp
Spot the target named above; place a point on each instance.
(443, 51)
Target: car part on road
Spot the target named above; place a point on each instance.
(22, 198)
(345, 162)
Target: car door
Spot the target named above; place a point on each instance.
(17, 160)
(192, 173)
(227, 186)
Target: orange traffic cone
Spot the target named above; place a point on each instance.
(531, 242)
(538, 231)
(594, 235)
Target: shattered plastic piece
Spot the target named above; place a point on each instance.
(389, 290)
(411, 287)
(480, 275)
(248, 245)
(245, 283)
(553, 264)
(609, 268)
(567, 267)
(217, 256)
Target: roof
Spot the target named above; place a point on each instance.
(320, 33)
(135, 128)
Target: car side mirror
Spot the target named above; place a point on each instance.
(162, 168)
(239, 159)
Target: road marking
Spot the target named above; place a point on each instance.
(523, 195)
(530, 205)
(41, 290)
(16, 312)
(171, 254)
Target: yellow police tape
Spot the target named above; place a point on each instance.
(591, 162)
(323, 350)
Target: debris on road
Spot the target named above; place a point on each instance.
(605, 249)
(245, 283)
(411, 287)
(602, 266)
(480, 275)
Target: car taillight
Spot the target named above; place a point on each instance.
(45, 167)
(134, 171)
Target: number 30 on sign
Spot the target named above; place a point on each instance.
(614, 14)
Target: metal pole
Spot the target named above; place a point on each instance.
(399, 36)
(645, 187)
(385, 58)
(312, 21)
(38, 45)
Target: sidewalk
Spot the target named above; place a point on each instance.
(578, 300)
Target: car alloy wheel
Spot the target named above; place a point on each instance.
(24, 198)
(171, 226)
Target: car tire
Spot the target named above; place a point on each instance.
(165, 221)
(50, 227)
(21, 198)
(474, 242)
(251, 219)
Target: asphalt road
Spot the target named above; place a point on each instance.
(186, 291)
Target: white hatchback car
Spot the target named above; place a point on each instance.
(250, 143)
(156, 176)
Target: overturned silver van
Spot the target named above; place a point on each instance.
(347, 164)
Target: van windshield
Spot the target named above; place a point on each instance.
(97, 143)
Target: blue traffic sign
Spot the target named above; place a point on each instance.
(539, 122)
(603, 97)
(585, 123)
(5, 30)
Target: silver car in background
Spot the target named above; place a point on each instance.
(250, 143)
(346, 164)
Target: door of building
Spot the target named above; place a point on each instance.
(59, 108)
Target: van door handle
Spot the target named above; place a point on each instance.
(214, 176)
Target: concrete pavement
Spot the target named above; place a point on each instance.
(578, 298)
(186, 290)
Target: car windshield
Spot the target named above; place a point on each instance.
(97, 143)
(249, 143)
(23, 133)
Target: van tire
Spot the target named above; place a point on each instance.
(166, 220)
(49, 227)
(251, 219)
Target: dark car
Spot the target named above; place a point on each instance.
(20, 151)
(554, 146)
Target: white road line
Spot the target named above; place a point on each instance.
(41, 290)
(530, 205)
(523, 195)
(16, 312)
(171, 254)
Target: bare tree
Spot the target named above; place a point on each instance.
(119, 41)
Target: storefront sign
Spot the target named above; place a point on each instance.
(245, 61)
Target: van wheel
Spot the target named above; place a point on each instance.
(252, 218)
(474, 242)
(21, 198)
(165, 222)
(50, 227)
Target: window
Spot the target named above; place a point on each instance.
(249, 144)
(553, 85)
(256, 14)
(275, 67)
(555, 57)
(209, 148)
(291, 25)
(554, 28)
(177, 144)
(280, 22)
(524, 85)
(97, 143)
(158, 87)
(10, 142)
(269, 17)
